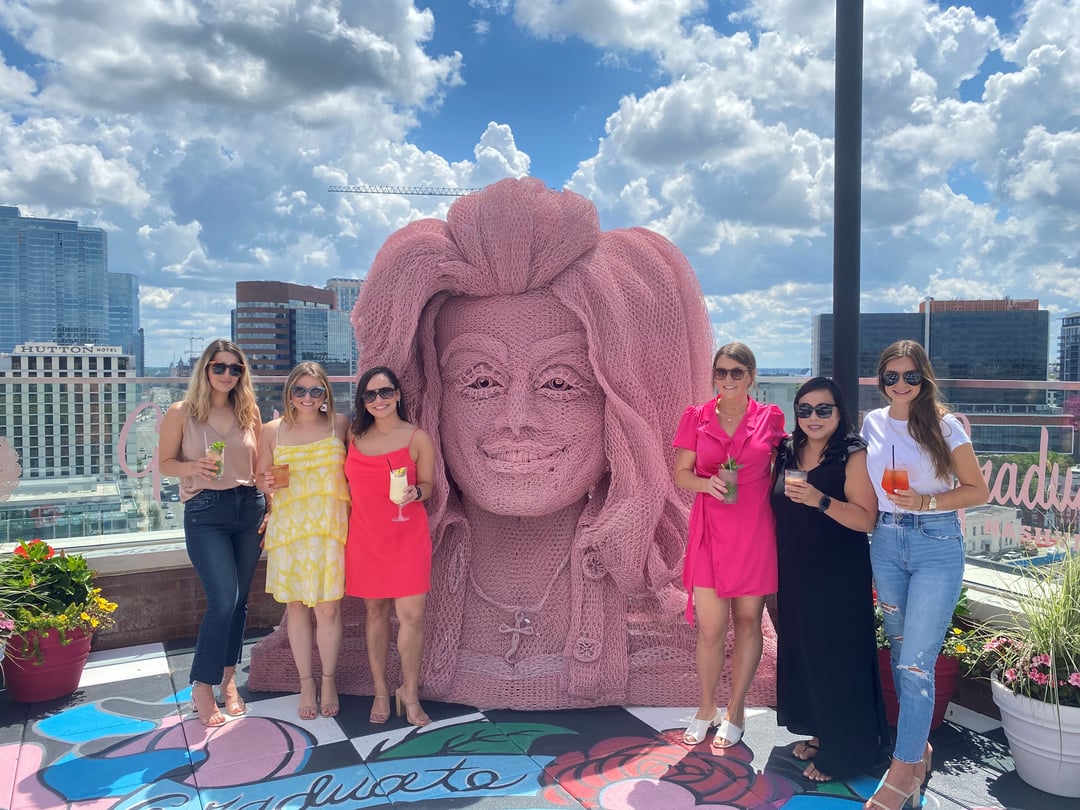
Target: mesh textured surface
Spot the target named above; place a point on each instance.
(550, 363)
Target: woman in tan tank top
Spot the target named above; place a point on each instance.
(210, 442)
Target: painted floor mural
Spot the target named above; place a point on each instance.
(125, 741)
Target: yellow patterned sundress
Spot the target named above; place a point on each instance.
(305, 537)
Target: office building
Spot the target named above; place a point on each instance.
(279, 324)
(1069, 348)
(346, 291)
(53, 284)
(59, 427)
(1006, 339)
(124, 330)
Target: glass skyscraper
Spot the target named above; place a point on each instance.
(53, 281)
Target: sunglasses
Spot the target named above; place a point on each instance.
(235, 369)
(824, 410)
(722, 373)
(890, 378)
(315, 391)
(382, 393)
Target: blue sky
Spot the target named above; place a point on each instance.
(203, 135)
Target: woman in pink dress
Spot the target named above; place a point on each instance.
(731, 550)
(388, 552)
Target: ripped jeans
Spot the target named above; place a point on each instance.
(918, 562)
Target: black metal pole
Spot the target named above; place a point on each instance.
(847, 199)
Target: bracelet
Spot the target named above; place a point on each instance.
(419, 492)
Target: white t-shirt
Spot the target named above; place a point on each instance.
(886, 436)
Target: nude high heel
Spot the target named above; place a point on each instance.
(405, 709)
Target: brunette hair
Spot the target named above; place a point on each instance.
(362, 420)
(241, 397)
(926, 409)
(841, 437)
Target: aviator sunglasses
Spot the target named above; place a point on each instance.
(722, 373)
(891, 378)
(383, 393)
(315, 391)
(235, 369)
(824, 410)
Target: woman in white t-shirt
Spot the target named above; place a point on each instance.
(917, 550)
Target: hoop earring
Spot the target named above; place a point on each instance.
(324, 408)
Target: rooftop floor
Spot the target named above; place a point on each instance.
(126, 740)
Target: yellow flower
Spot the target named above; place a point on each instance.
(94, 622)
(961, 648)
(84, 616)
(956, 631)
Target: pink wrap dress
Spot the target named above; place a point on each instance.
(740, 537)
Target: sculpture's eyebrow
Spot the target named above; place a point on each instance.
(558, 347)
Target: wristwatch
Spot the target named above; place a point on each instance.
(933, 504)
(825, 503)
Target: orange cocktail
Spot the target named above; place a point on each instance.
(893, 479)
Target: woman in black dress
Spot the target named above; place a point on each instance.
(827, 673)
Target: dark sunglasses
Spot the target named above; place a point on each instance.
(235, 369)
(722, 373)
(890, 378)
(383, 393)
(315, 391)
(824, 410)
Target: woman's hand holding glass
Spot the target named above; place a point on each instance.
(716, 486)
(799, 490)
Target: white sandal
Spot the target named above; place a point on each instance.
(727, 731)
(696, 731)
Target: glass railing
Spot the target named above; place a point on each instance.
(88, 451)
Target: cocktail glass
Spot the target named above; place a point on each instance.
(216, 452)
(399, 488)
(894, 478)
(281, 475)
(793, 475)
(731, 478)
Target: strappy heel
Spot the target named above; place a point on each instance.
(379, 718)
(210, 716)
(928, 764)
(331, 708)
(698, 728)
(404, 709)
(308, 711)
(911, 797)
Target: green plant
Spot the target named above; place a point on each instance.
(961, 640)
(1036, 652)
(730, 464)
(55, 592)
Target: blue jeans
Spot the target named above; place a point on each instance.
(918, 562)
(222, 532)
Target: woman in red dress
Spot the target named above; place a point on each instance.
(731, 549)
(388, 553)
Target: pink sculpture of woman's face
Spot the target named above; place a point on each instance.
(522, 414)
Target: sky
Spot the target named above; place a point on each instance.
(203, 136)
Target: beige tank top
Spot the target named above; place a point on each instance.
(238, 467)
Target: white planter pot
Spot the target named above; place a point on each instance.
(1044, 741)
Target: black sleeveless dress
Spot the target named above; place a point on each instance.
(827, 682)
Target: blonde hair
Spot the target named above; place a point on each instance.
(926, 409)
(241, 397)
(310, 369)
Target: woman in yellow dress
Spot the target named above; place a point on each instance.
(305, 537)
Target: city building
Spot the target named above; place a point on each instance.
(347, 291)
(62, 407)
(1069, 348)
(53, 281)
(124, 330)
(279, 324)
(1006, 339)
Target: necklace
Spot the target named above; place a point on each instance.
(721, 415)
(522, 613)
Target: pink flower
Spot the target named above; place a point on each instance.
(1010, 675)
(1043, 659)
(1074, 679)
(1039, 677)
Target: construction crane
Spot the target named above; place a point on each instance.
(416, 191)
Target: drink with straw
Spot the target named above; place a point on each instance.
(216, 452)
(399, 489)
(895, 476)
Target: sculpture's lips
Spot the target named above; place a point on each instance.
(519, 452)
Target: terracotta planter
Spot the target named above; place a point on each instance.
(29, 680)
(946, 672)
(1044, 741)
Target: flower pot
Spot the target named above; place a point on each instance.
(30, 677)
(1044, 740)
(946, 671)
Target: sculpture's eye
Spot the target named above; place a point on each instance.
(480, 382)
(562, 382)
